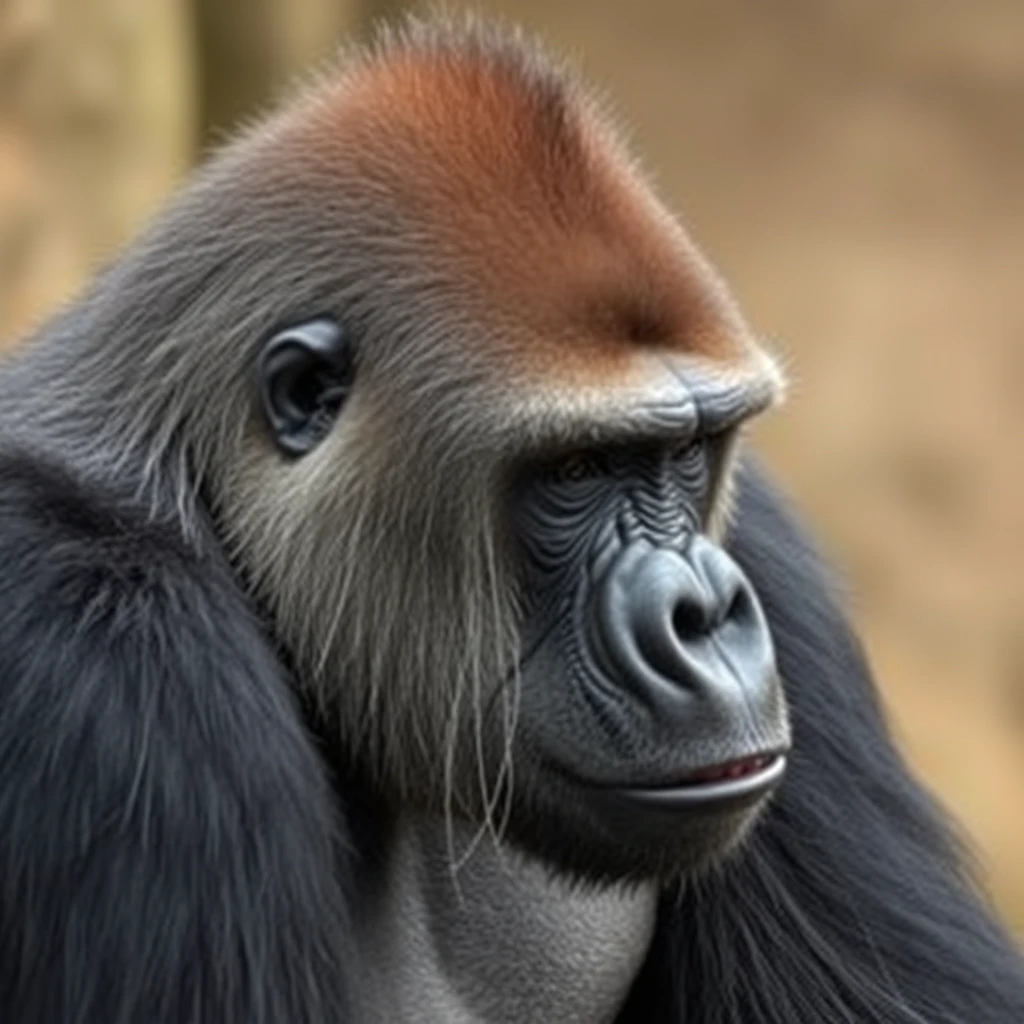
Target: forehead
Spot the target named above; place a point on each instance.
(522, 194)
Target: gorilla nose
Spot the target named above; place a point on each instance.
(673, 625)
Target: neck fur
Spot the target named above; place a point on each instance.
(500, 940)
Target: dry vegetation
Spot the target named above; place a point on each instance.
(854, 168)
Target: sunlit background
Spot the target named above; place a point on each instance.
(856, 169)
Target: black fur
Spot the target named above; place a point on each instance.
(851, 903)
(168, 848)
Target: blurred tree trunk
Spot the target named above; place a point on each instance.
(104, 105)
(250, 49)
(96, 126)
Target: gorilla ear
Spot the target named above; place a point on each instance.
(305, 377)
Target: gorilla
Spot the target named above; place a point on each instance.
(393, 629)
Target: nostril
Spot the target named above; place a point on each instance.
(693, 617)
(741, 607)
(689, 618)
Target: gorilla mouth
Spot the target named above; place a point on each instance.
(731, 770)
(726, 786)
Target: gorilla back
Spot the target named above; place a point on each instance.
(390, 630)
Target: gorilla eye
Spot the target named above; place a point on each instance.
(575, 468)
(306, 374)
(688, 452)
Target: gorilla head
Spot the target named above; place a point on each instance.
(460, 400)
(481, 489)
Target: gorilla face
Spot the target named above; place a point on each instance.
(651, 723)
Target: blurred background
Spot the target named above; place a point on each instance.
(854, 167)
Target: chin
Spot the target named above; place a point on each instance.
(607, 835)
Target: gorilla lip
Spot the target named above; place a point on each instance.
(717, 787)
